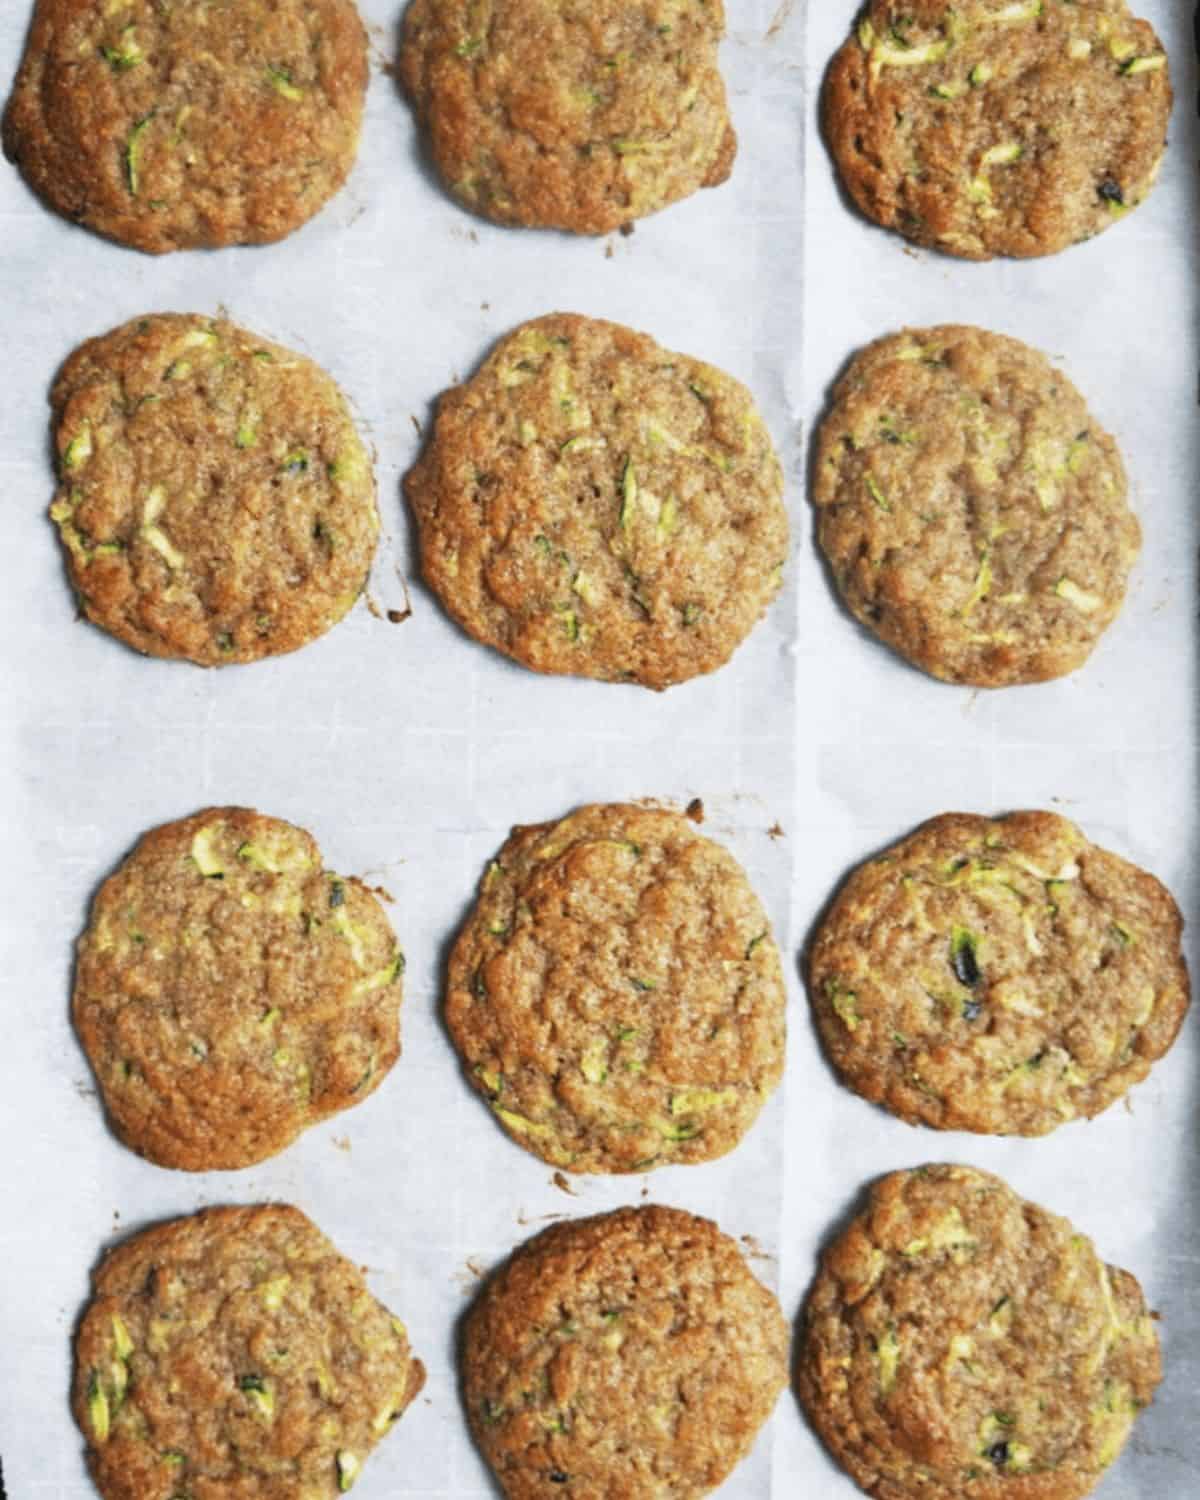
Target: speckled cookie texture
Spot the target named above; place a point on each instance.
(580, 115)
(229, 992)
(215, 502)
(235, 1355)
(170, 127)
(1009, 127)
(591, 503)
(616, 994)
(972, 511)
(961, 1342)
(622, 1356)
(1001, 975)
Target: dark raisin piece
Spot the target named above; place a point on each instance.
(1110, 191)
(998, 1453)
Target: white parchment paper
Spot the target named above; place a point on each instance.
(408, 751)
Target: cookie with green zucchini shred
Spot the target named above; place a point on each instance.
(630, 1354)
(998, 127)
(972, 511)
(595, 505)
(236, 1353)
(230, 991)
(959, 1341)
(580, 116)
(215, 501)
(1001, 975)
(616, 994)
(173, 127)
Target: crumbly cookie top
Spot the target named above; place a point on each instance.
(998, 974)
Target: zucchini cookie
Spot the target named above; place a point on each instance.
(1011, 127)
(235, 1353)
(959, 1341)
(577, 116)
(630, 1354)
(215, 502)
(229, 992)
(593, 504)
(616, 994)
(971, 510)
(173, 127)
(1001, 975)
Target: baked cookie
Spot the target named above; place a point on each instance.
(616, 994)
(998, 127)
(578, 116)
(593, 504)
(215, 502)
(171, 127)
(1001, 975)
(629, 1354)
(959, 1341)
(972, 511)
(229, 992)
(235, 1353)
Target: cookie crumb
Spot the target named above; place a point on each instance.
(695, 810)
(776, 831)
(560, 1182)
(398, 616)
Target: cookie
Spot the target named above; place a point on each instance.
(959, 1341)
(580, 116)
(971, 510)
(1011, 127)
(629, 1354)
(616, 994)
(236, 1353)
(173, 127)
(229, 992)
(593, 504)
(1002, 975)
(215, 502)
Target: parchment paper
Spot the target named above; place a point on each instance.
(409, 751)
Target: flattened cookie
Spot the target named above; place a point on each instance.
(215, 502)
(629, 1354)
(616, 994)
(959, 1341)
(972, 511)
(236, 1353)
(578, 116)
(1001, 975)
(171, 127)
(229, 992)
(998, 127)
(593, 504)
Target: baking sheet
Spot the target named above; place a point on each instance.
(409, 752)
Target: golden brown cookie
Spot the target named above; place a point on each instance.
(215, 502)
(998, 127)
(578, 116)
(616, 994)
(631, 1354)
(235, 1355)
(229, 992)
(961, 1342)
(972, 511)
(1002, 975)
(590, 503)
(169, 127)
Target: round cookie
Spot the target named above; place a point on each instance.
(215, 502)
(593, 504)
(230, 993)
(959, 1341)
(236, 1353)
(579, 116)
(624, 1355)
(616, 994)
(971, 510)
(1001, 975)
(171, 127)
(998, 127)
